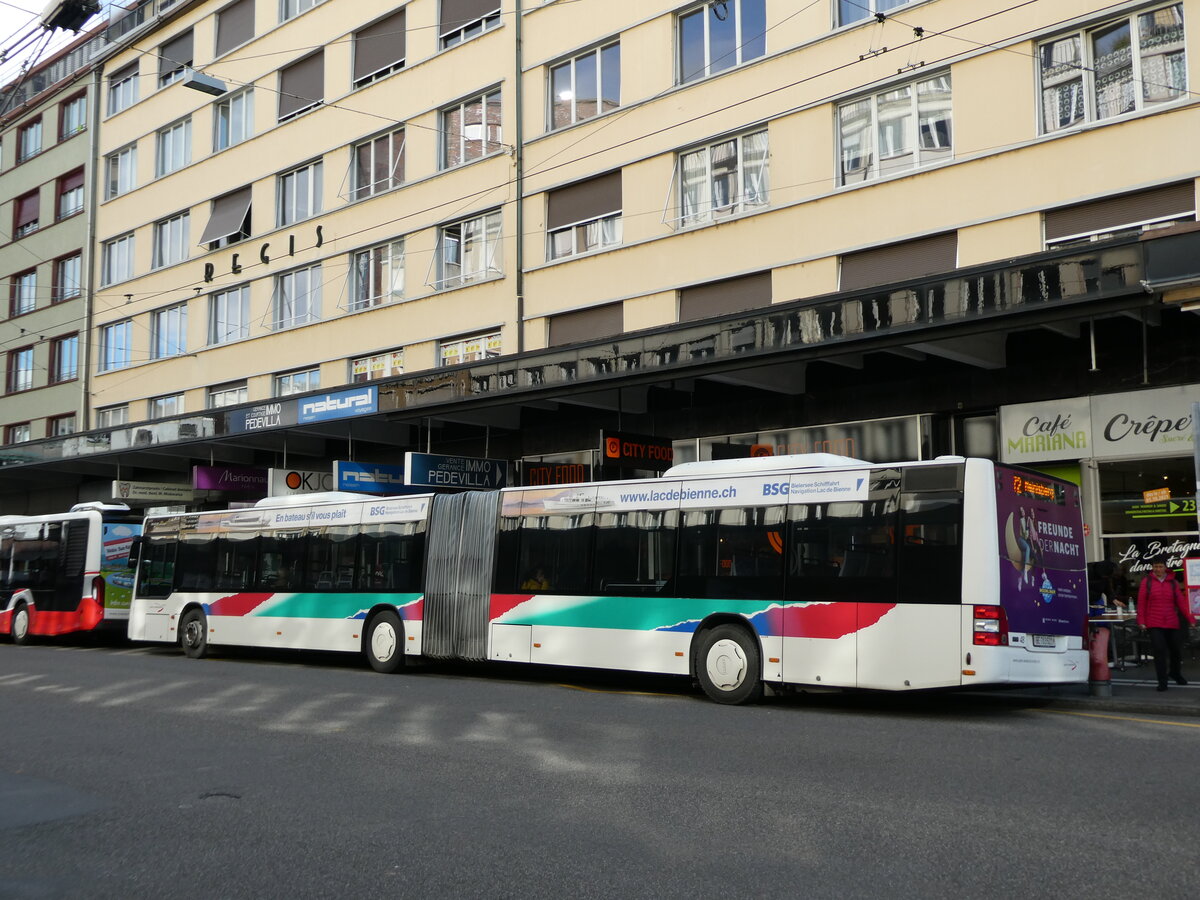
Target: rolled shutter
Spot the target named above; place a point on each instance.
(1169, 201)
(587, 324)
(720, 297)
(28, 208)
(379, 46)
(900, 262)
(175, 54)
(457, 13)
(302, 84)
(584, 200)
(235, 25)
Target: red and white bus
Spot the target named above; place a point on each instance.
(66, 572)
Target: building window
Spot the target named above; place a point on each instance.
(67, 274)
(174, 144)
(297, 298)
(17, 434)
(26, 213)
(301, 86)
(297, 382)
(380, 365)
(298, 194)
(377, 275)
(23, 298)
(235, 26)
(72, 116)
(29, 139)
(469, 251)
(64, 359)
(20, 370)
(60, 426)
(471, 129)
(229, 220)
(725, 178)
(585, 86)
(122, 89)
(115, 347)
(112, 416)
(171, 240)
(469, 349)
(227, 394)
(120, 172)
(233, 119)
(174, 57)
(463, 19)
(378, 164)
(1121, 216)
(168, 331)
(898, 130)
(379, 49)
(1122, 66)
(116, 260)
(584, 216)
(162, 407)
(70, 194)
(718, 36)
(289, 9)
(856, 10)
(229, 315)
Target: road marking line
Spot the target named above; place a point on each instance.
(1068, 712)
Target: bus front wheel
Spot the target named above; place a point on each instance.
(385, 636)
(193, 634)
(728, 665)
(20, 625)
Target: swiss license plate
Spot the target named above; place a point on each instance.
(1044, 640)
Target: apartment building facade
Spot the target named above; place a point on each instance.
(496, 229)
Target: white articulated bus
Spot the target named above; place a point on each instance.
(794, 571)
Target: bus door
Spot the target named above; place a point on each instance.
(71, 538)
(461, 552)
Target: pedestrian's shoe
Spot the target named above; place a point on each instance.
(1162, 686)
(1179, 679)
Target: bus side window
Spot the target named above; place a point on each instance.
(736, 552)
(197, 561)
(157, 566)
(844, 551)
(635, 553)
(558, 546)
(931, 549)
(508, 546)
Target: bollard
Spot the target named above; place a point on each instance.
(1099, 676)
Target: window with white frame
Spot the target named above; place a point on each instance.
(227, 394)
(72, 117)
(714, 37)
(289, 9)
(120, 172)
(586, 86)
(1124, 65)
(112, 416)
(64, 359)
(461, 20)
(174, 147)
(24, 293)
(856, 10)
(378, 164)
(162, 407)
(470, 349)
(20, 370)
(168, 331)
(123, 89)
(67, 274)
(904, 128)
(584, 216)
(377, 275)
(471, 129)
(297, 382)
(60, 426)
(298, 194)
(116, 260)
(469, 251)
(229, 315)
(70, 194)
(29, 139)
(115, 345)
(725, 178)
(297, 298)
(233, 119)
(377, 366)
(18, 433)
(171, 240)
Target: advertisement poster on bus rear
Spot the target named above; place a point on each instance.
(1043, 583)
(114, 564)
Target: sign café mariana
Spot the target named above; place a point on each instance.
(1138, 423)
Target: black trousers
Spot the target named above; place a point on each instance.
(1167, 646)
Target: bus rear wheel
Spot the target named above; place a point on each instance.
(193, 634)
(20, 625)
(384, 644)
(728, 665)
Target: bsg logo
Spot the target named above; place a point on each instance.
(776, 489)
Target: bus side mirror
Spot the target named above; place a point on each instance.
(135, 552)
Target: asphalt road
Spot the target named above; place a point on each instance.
(134, 772)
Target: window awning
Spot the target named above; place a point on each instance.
(228, 214)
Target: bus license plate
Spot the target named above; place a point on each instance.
(1044, 640)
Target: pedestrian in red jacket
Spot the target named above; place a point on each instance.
(1163, 611)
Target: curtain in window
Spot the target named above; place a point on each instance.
(755, 169)
(694, 194)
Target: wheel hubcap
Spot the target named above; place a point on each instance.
(20, 624)
(191, 633)
(726, 665)
(383, 641)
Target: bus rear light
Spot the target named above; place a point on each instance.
(990, 627)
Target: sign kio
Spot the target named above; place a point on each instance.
(635, 451)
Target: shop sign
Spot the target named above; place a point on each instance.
(879, 440)
(368, 478)
(537, 473)
(1163, 509)
(152, 490)
(635, 451)
(1136, 555)
(339, 405)
(1191, 578)
(277, 414)
(229, 478)
(432, 470)
(1155, 495)
(285, 482)
(1037, 432)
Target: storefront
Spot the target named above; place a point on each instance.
(1134, 455)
